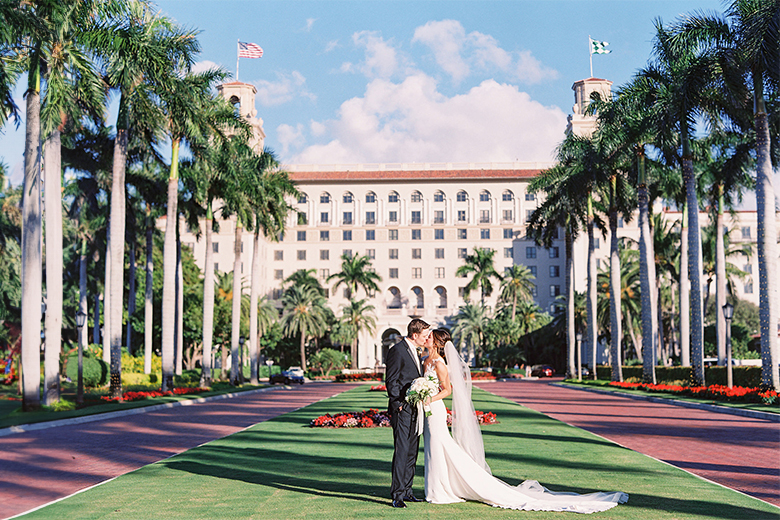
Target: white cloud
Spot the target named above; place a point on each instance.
(289, 136)
(331, 45)
(286, 88)
(412, 121)
(203, 66)
(317, 128)
(309, 24)
(458, 53)
(381, 58)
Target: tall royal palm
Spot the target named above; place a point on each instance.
(469, 330)
(356, 272)
(304, 313)
(480, 266)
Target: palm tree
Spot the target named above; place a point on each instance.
(470, 324)
(480, 266)
(357, 317)
(629, 288)
(304, 313)
(305, 277)
(356, 272)
(747, 37)
(517, 285)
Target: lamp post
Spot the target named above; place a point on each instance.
(81, 319)
(270, 363)
(728, 313)
(241, 341)
(579, 355)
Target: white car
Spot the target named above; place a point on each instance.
(295, 371)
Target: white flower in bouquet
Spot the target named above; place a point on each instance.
(422, 388)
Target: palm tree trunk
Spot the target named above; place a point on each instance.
(117, 232)
(720, 288)
(303, 350)
(254, 337)
(236, 322)
(354, 351)
(694, 263)
(179, 308)
(675, 346)
(208, 301)
(685, 294)
(82, 332)
(571, 339)
(149, 293)
(131, 294)
(106, 342)
(52, 164)
(769, 306)
(96, 321)
(169, 272)
(645, 278)
(592, 296)
(31, 247)
(615, 318)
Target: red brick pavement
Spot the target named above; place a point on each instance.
(739, 452)
(44, 465)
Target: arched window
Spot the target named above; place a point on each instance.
(442, 293)
(507, 196)
(370, 197)
(324, 197)
(416, 196)
(484, 196)
(438, 196)
(392, 196)
(302, 198)
(419, 300)
(347, 198)
(393, 298)
(462, 196)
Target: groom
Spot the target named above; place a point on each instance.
(403, 367)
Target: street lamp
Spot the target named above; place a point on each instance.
(81, 319)
(579, 355)
(728, 313)
(270, 363)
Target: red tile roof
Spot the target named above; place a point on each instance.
(391, 175)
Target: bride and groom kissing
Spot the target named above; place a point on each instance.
(455, 466)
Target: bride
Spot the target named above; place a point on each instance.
(455, 467)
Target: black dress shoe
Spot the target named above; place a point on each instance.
(398, 503)
(412, 498)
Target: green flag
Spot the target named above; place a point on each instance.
(597, 47)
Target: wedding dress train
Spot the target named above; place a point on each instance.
(453, 475)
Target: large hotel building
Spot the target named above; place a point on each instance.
(416, 222)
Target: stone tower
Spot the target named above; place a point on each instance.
(579, 123)
(242, 97)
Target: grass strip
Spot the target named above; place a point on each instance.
(283, 469)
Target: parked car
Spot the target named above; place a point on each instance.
(291, 375)
(542, 371)
(584, 371)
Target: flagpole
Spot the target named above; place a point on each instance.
(238, 52)
(590, 53)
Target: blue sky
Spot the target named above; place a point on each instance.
(422, 81)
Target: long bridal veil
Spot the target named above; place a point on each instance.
(465, 426)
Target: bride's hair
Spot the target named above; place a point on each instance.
(440, 338)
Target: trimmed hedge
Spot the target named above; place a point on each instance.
(748, 377)
(94, 372)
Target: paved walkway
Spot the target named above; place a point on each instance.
(44, 465)
(739, 452)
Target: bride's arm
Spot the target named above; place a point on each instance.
(444, 381)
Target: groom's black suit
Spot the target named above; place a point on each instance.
(401, 369)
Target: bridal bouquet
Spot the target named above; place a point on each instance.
(421, 389)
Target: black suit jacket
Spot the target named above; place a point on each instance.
(400, 370)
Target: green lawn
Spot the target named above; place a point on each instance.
(282, 469)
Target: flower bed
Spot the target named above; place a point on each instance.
(482, 376)
(342, 378)
(718, 392)
(378, 388)
(137, 396)
(374, 418)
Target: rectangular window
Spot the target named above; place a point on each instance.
(324, 236)
(508, 252)
(371, 253)
(276, 294)
(620, 222)
(438, 217)
(347, 198)
(438, 234)
(346, 235)
(393, 254)
(303, 219)
(416, 253)
(598, 263)
(461, 292)
(370, 234)
(534, 290)
(532, 268)
(484, 234)
(530, 197)
(462, 252)
(509, 233)
(216, 267)
(392, 216)
(392, 234)
(347, 217)
(416, 272)
(462, 234)
(553, 252)
(242, 247)
(461, 196)
(416, 197)
(439, 273)
(508, 215)
(748, 269)
(324, 198)
(745, 232)
(301, 254)
(749, 288)
(278, 254)
(324, 273)
(301, 236)
(416, 217)
(554, 233)
(506, 196)
(278, 274)
(215, 247)
(416, 234)
(555, 271)
(484, 216)
(370, 197)
(347, 253)
(393, 272)
(528, 214)
(370, 217)
(530, 252)
(438, 197)
(484, 196)
(302, 199)
(461, 215)
(596, 243)
(324, 254)
(555, 290)
(393, 197)
(345, 293)
(439, 253)
(324, 217)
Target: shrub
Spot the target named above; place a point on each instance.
(341, 378)
(95, 370)
(749, 377)
(187, 378)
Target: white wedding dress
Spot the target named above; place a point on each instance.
(457, 471)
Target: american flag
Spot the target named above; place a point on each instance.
(249, 50)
